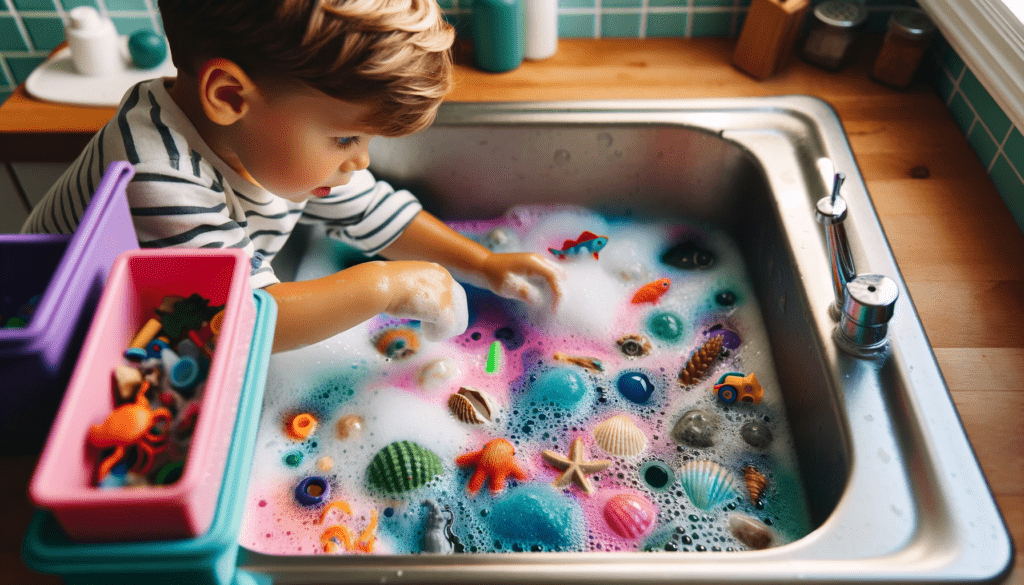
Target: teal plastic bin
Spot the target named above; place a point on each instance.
(207, 559)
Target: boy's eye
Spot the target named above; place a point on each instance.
(346, 140)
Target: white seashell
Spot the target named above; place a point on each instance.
(472, 406)
(707, 483)
(620, 436)
(433, 373)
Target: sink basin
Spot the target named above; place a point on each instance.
(893, 489)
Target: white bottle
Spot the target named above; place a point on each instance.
(541, 28)
(94, 42)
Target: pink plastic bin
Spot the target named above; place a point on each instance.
(138, 281)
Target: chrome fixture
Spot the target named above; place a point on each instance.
(863, 303)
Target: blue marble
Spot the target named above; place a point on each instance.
(635, 386)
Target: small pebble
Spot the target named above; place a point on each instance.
(756, 434)
(695, 428)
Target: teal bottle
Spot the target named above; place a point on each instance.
(498, 34)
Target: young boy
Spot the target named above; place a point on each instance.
(267, 124)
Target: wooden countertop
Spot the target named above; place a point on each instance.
(959, 250)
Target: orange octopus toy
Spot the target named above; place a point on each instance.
(495, 461)
(130, 424)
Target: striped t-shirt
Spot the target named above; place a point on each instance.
(184, 195)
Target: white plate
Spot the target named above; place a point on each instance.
(55, 80)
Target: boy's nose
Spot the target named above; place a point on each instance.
(357, 163)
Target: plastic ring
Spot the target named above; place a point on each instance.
(185, 374)
(169, 473)
(312, 490)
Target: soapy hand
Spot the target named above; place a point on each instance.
(426, 291)
(523, 277)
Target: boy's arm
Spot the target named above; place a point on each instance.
(508, 275)
(313, 310)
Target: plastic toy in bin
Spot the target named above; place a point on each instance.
(184, 451)
(160, 392)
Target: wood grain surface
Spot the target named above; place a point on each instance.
(959, 250)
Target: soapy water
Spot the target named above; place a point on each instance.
(642, 502)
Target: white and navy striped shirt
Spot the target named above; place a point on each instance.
(184, 195)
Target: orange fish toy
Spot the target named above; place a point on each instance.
(652, 291)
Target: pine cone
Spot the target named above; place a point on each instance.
(700, 361)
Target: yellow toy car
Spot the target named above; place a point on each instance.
(734, 386)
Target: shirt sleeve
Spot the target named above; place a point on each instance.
(176, 208)
(366, 213)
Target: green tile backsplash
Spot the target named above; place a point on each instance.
(29, 29)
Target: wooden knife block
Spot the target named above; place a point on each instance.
(768, 36)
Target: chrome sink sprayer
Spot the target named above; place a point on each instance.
(863, 303)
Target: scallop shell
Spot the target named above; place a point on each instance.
(620, 436)
(756, 482)
(471, 406)
(707, 483)
(629, 515)
(402, 466)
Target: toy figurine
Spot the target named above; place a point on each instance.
(734, 386)
(588, 241)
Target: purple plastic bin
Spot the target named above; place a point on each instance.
(68, 271)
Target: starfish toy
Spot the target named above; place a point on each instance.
(495, 461)
(575, 468)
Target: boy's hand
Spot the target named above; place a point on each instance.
(426, 291)
(522, 276)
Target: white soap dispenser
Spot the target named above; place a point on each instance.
(94, 42)
(541, 28)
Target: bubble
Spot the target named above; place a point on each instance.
(562, 157)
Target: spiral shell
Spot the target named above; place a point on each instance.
(756, 482)
(471, 406)
(629, 515)
(634, 345)
(620, 436)
(398, 344)
(402, 466)
(707, 483)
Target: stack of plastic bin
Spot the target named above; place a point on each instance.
(67, 272)
(186, 531)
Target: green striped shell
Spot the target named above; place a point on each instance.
(402, 466)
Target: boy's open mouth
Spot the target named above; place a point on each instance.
(321, 191)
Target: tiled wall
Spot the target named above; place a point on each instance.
(29, 29)
(997, 142)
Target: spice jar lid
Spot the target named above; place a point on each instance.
(911, 22)
(841, 13)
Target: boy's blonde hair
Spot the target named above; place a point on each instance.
(392, 54)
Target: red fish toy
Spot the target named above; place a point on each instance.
(652, 291)
(588, 241)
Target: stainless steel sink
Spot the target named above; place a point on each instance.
(894, 490)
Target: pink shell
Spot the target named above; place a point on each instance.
(629, 515)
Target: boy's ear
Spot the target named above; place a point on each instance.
(225, 91)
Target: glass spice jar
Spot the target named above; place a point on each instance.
(909, 35)
(833, 32)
